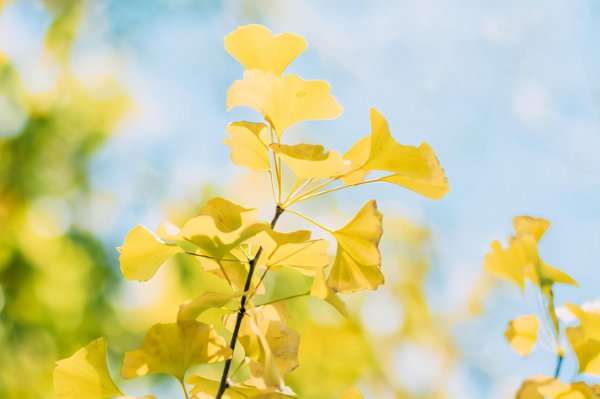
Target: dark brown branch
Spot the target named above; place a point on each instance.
(242, 311)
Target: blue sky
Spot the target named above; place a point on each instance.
(507, 93)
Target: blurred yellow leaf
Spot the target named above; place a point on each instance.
(542, 387)
(173, 348)
(248, 144)
(283, 100)
(585, 339)
(522, 334)
(309, 161)
(85, 374)
(205, 388)
(357, 261)
(143, 253)
(352, 393)
(530, 225)
(255, 47)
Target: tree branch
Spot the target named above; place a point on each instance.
(242, 311)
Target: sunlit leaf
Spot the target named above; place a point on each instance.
(585, 339)
(309, 161)
(542, 387)
(248, 144)
(283, 100)
(522, 334)
(143, 253)
(190, 310)
(221, 227)
(531, 225)
(357, 261)
(173, 348)
(293, 250)
(320, 289)
(205, 388)
(255, 47)
(416, 168)
(85, 374)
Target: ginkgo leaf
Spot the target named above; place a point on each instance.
(269, 342)
(531, 225)
(248, 144)
(585, 339)
(357, 261)
(522, 334)
(143, 253)
(320, 289)
(292, 250)
(283, 100)
(255, 47)
(221, 227)
(85, 374)
(352, 393)
(415, 168)
(173, 348)
(542, 387)
(309, 161)
(190, 310)
(205, 388)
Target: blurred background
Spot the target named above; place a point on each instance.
(112, 113)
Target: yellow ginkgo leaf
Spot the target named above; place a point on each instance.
(585, 339)
(352, 393)
(221, 227)
(207, 389)
(531, 225)
(542, 387)
(248, 144)
(357, 261)
(267, 339)
(255, 47)
(190, 310)
(522, 333)
(309, 161)
(143, 253)
(173, 348)
(283, 100)
(320, 289)
(85, 374)
(293, 250)
(416, 168)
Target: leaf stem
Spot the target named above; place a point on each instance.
(305, 196)
(184, 389)
(310, 220)
(558, 365)
(285, 298)
(224, 384)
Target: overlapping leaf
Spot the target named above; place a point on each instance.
(542, 387)
(357, 261)
(320, 289)
(310, 161)
(205, 388)
(283, 100)
(255, 47)
(173, 348)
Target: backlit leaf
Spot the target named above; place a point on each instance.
(190, 310)
(173, 348)
(320, 289)
(248, 144)
(585, 339)
(357, 261)
(85, 374)
(542, 387)
(283, 100)
(143, 253)
(522, 334)
(309, 161)
(255, 47)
